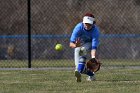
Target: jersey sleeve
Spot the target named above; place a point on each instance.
(75, 33)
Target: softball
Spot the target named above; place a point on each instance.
(58, 47)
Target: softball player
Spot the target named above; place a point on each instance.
(84, 39)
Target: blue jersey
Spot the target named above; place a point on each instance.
(86, 35)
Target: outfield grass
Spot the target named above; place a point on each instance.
(50, 81)
(109, 78)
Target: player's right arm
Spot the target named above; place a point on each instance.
(76, 44)
(74, 39)
(72, 45)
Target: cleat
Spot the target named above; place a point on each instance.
(78, 76)
(91, 78)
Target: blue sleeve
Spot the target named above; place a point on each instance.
(75, 33)
(95, 38)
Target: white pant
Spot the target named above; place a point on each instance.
(81, 51)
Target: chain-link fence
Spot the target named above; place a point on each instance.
(52, 22)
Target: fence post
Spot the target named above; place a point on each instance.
(29, 32)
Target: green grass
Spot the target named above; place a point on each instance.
(50, 81)
(110, 80)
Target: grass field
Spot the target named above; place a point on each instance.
(108, 79)
(47, 81)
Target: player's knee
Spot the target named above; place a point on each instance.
(82, 59)
(81, 65)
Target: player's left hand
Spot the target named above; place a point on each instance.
(93, 65)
